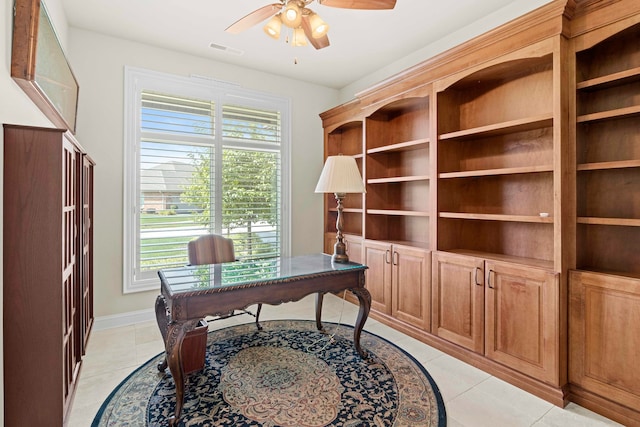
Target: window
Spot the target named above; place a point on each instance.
(201, 157)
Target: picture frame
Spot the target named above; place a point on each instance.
(39, 65)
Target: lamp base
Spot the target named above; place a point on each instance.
(340, 253)
(339, 258)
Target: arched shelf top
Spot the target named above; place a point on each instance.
(504, 71)
(401, 106)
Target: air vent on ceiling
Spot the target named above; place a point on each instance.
(226, 49)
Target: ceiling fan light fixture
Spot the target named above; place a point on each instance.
(319, 28)
(274, 26)
(292, 14)
(295, 15)
(298, 38)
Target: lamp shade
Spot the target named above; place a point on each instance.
(340, 175)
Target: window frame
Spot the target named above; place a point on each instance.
(222, 93)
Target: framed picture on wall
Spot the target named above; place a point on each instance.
(39, 65)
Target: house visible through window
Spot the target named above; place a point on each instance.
(209, 163)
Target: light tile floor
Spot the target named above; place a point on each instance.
(472, 397)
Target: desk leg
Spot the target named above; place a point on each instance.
(364, 297)
(319, 299)
(162, 317)
(175, 336)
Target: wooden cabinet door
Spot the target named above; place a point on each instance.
(377, 256)
(71, 285)
(457, 295)
(522, 319)
(411, 292)
(604, 335)
(86, 275)
(354, 248)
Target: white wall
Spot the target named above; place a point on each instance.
(98, 62)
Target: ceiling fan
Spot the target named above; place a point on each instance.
(305, 24)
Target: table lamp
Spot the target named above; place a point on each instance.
(340, 175)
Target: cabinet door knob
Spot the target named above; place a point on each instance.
(395, 258)
(386, 256)
(489, 279)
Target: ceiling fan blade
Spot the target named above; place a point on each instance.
(318, 43)
(254, 18)
(360, 4)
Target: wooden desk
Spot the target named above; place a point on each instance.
(193, 292)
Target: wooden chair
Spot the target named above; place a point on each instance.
(210, 249)
(216, 249)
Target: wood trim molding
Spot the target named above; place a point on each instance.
(603, 406)
(589, 6)
(610, 14)
(340, 114)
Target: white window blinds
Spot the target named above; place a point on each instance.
(191, 180)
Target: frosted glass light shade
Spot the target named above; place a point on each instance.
(299, 39)
(319, 28)
(340, 175)
(273, 27)
(292, 15)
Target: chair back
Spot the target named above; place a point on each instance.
(210, 249)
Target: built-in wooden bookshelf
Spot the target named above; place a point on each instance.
(605, 290)
(495, 161)
(397, 172)
(397, 214)
(509, 167)
(493, 271)
(608, 154)
(347, 140)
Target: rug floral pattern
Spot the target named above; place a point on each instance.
(288, 374)
(282, 386)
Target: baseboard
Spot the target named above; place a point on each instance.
(605, 407)
(123, 319)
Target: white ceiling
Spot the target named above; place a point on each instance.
(362, 41)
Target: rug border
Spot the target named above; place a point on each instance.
(442, 415)
(96, 418)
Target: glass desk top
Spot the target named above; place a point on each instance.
(192, 278)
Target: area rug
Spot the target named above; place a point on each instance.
(289, 374)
